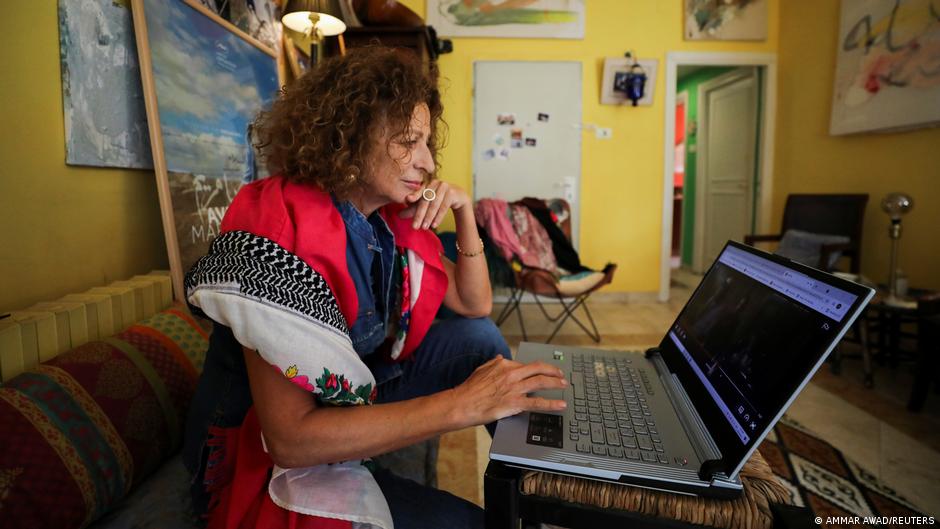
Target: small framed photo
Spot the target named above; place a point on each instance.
(623, 65)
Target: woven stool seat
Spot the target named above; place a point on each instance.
(748, 511)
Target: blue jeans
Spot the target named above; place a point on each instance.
(449, 353)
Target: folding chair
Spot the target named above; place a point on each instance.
(541, 283)
(571, 292)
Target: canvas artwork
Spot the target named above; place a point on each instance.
(208, 84)
(887, 66)
(726, 20)
(105, 118)
(211, 5)
(559, 19)
(258, 18)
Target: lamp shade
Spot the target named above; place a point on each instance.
(328, 22)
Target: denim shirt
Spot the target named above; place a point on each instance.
(370, 257)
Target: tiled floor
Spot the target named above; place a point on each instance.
(871, 426)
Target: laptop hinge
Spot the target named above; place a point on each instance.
(702, 442)
(710, 469)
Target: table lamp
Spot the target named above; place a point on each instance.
(896, 205)
(315, 19)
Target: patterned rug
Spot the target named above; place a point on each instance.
(831, 485)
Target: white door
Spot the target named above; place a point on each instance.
(727, 152)
(527, 133)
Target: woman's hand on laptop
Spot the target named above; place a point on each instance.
(500, 388)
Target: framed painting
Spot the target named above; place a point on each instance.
(102, 100)
(258, 18)
(297, 61)
(726, 20)
(559, 19)
(204, 82)
(887, 75)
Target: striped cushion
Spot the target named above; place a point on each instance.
(81, 430)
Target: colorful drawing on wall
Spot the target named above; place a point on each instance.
(726, 20)
(887, 66)
(204, 85)
(103, 103)
(559, 19)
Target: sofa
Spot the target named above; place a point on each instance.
(91, 438)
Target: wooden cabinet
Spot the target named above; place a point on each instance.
(419, 39)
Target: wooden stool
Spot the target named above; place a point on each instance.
(513, 495)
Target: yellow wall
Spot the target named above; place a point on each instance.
(69, 228)
(62, 229)
(809, 160)
(621, 178)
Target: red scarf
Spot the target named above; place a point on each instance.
(303, 220)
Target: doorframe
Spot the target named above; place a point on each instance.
(766, 139)
(681, 97)
(701, 184)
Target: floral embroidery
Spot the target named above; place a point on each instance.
(301, 380)
(337, 390)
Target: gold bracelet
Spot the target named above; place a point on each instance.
(468, 254)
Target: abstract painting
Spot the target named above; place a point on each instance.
(205, 86)
(105, 118)
(560, 19)
(887, 66)
(726, 19)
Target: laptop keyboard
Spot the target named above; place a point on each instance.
(611, 414)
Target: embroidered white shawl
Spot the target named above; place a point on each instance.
(279, 306)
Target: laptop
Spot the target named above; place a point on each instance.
(685, 416)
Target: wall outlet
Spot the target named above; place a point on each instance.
(603, 133)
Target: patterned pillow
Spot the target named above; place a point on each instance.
(81, 430)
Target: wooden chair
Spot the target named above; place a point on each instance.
(831, 214)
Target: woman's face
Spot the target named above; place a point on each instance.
(402, 168)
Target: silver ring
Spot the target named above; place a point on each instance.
(429, 194)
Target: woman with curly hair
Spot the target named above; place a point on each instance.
(323, 287)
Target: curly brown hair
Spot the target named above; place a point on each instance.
(321, 129)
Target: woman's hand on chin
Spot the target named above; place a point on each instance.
(428, 205)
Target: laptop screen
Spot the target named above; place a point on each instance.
(751, 333)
